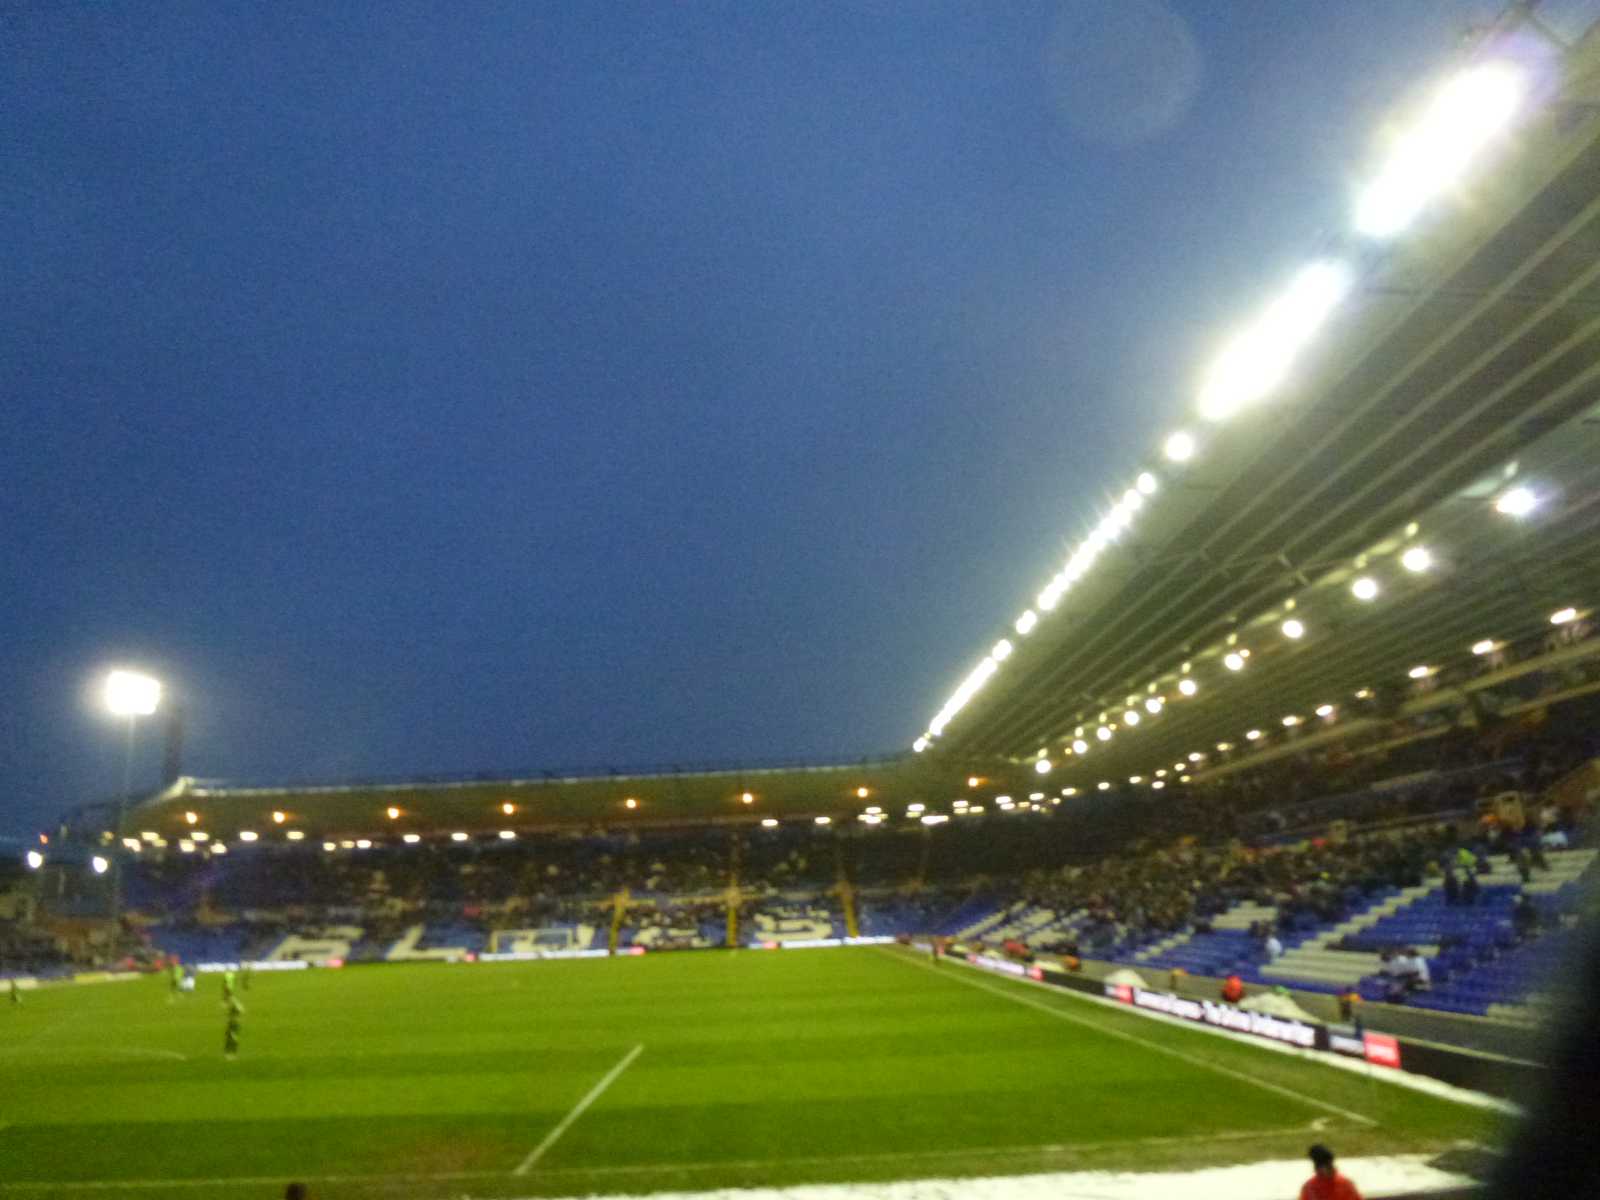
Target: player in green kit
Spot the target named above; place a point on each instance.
(227, 985)
(230, 1037)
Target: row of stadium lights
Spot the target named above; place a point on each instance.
(1327, 712)
(200, 840)
(1461, 119)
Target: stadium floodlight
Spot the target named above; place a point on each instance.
(296, 835)
(1252, 735)
(1293, 629)
(1516, 502)
(920, 744)
(1079, 746)
(1417, 559)
(1420, 672)
(1486, 646)
(1324, 710)
(1179, 447)
(1427, 160)
(1188, 687)
(34, 859)
(392, 813)
(824, 820)
(1042, 766)
(973, 781)
(1130, 717)
(1154, 705)
(508, 835)
(1001, 651)
(130, 694)
(363, 844)
(747, 798)
(1104, 785)
(248, 835)
(1146, 483)
(279, 817)
(1563, 616)
(1257, 360)
(1025, 623)
(411, 839)
(1159, 784)
(1135, 778)
(508, 808)
(1290, 721)
(1365, 588)
(863, 792)
(1233, 660)
(630, 802)
(458, 836)
(1103, 733)
(1069, 791)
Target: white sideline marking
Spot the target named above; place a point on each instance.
(669, 1168)
(578, 1110)
(1056, 1011)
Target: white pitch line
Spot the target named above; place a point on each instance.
(1056, 1011)
(578, 1110)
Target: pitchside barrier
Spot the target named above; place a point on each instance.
(1505, 1078)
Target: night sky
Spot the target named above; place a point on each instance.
(468, 387)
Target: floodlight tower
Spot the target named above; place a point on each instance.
(132, 695)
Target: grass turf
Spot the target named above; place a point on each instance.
(757, 1068)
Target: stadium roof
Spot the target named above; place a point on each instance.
(1457, 360)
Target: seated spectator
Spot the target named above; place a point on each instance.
(1233, 989)
(1274, 948)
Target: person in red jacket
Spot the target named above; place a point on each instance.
(1233, 989)
(1326, 1183)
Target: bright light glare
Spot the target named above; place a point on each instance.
(1233, 660)
(1420, 672)
(392, 813)
(769, 822)
(1079, 746)
(1042, 766)
(278, 818)
(630, 802)
(508, 835)
(1365, 588)
(508, 808)
(1486, 646)
(1417, 559)
(824, 820)
(1188, 687)
(1104, 785)
(913, 809)
(1258, 359)
(935, 819)
(1103, 734)
(363, 843)
(1518, 502)
(248, 835)
(458, 836)
(1026, 622)
(1324, 710)
(1293, 629)
(1563, 615)
(1253, 735)
(1146, 483)
(1153, 705)
(1291, 721)
(747, 798)
(296, 835)
(969, 688)
(1130, 717)
(1435, 152)
(35, 860)
(1179, 447)
(130, 694)
(411, 839)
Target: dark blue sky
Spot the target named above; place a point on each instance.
(463, 387)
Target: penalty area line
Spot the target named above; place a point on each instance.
(1056, 1011)
(578, 1110)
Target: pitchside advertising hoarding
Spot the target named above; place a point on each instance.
(1377, 1048)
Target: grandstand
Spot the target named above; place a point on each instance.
(1318, 697)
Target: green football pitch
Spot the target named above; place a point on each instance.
(646, 1074)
